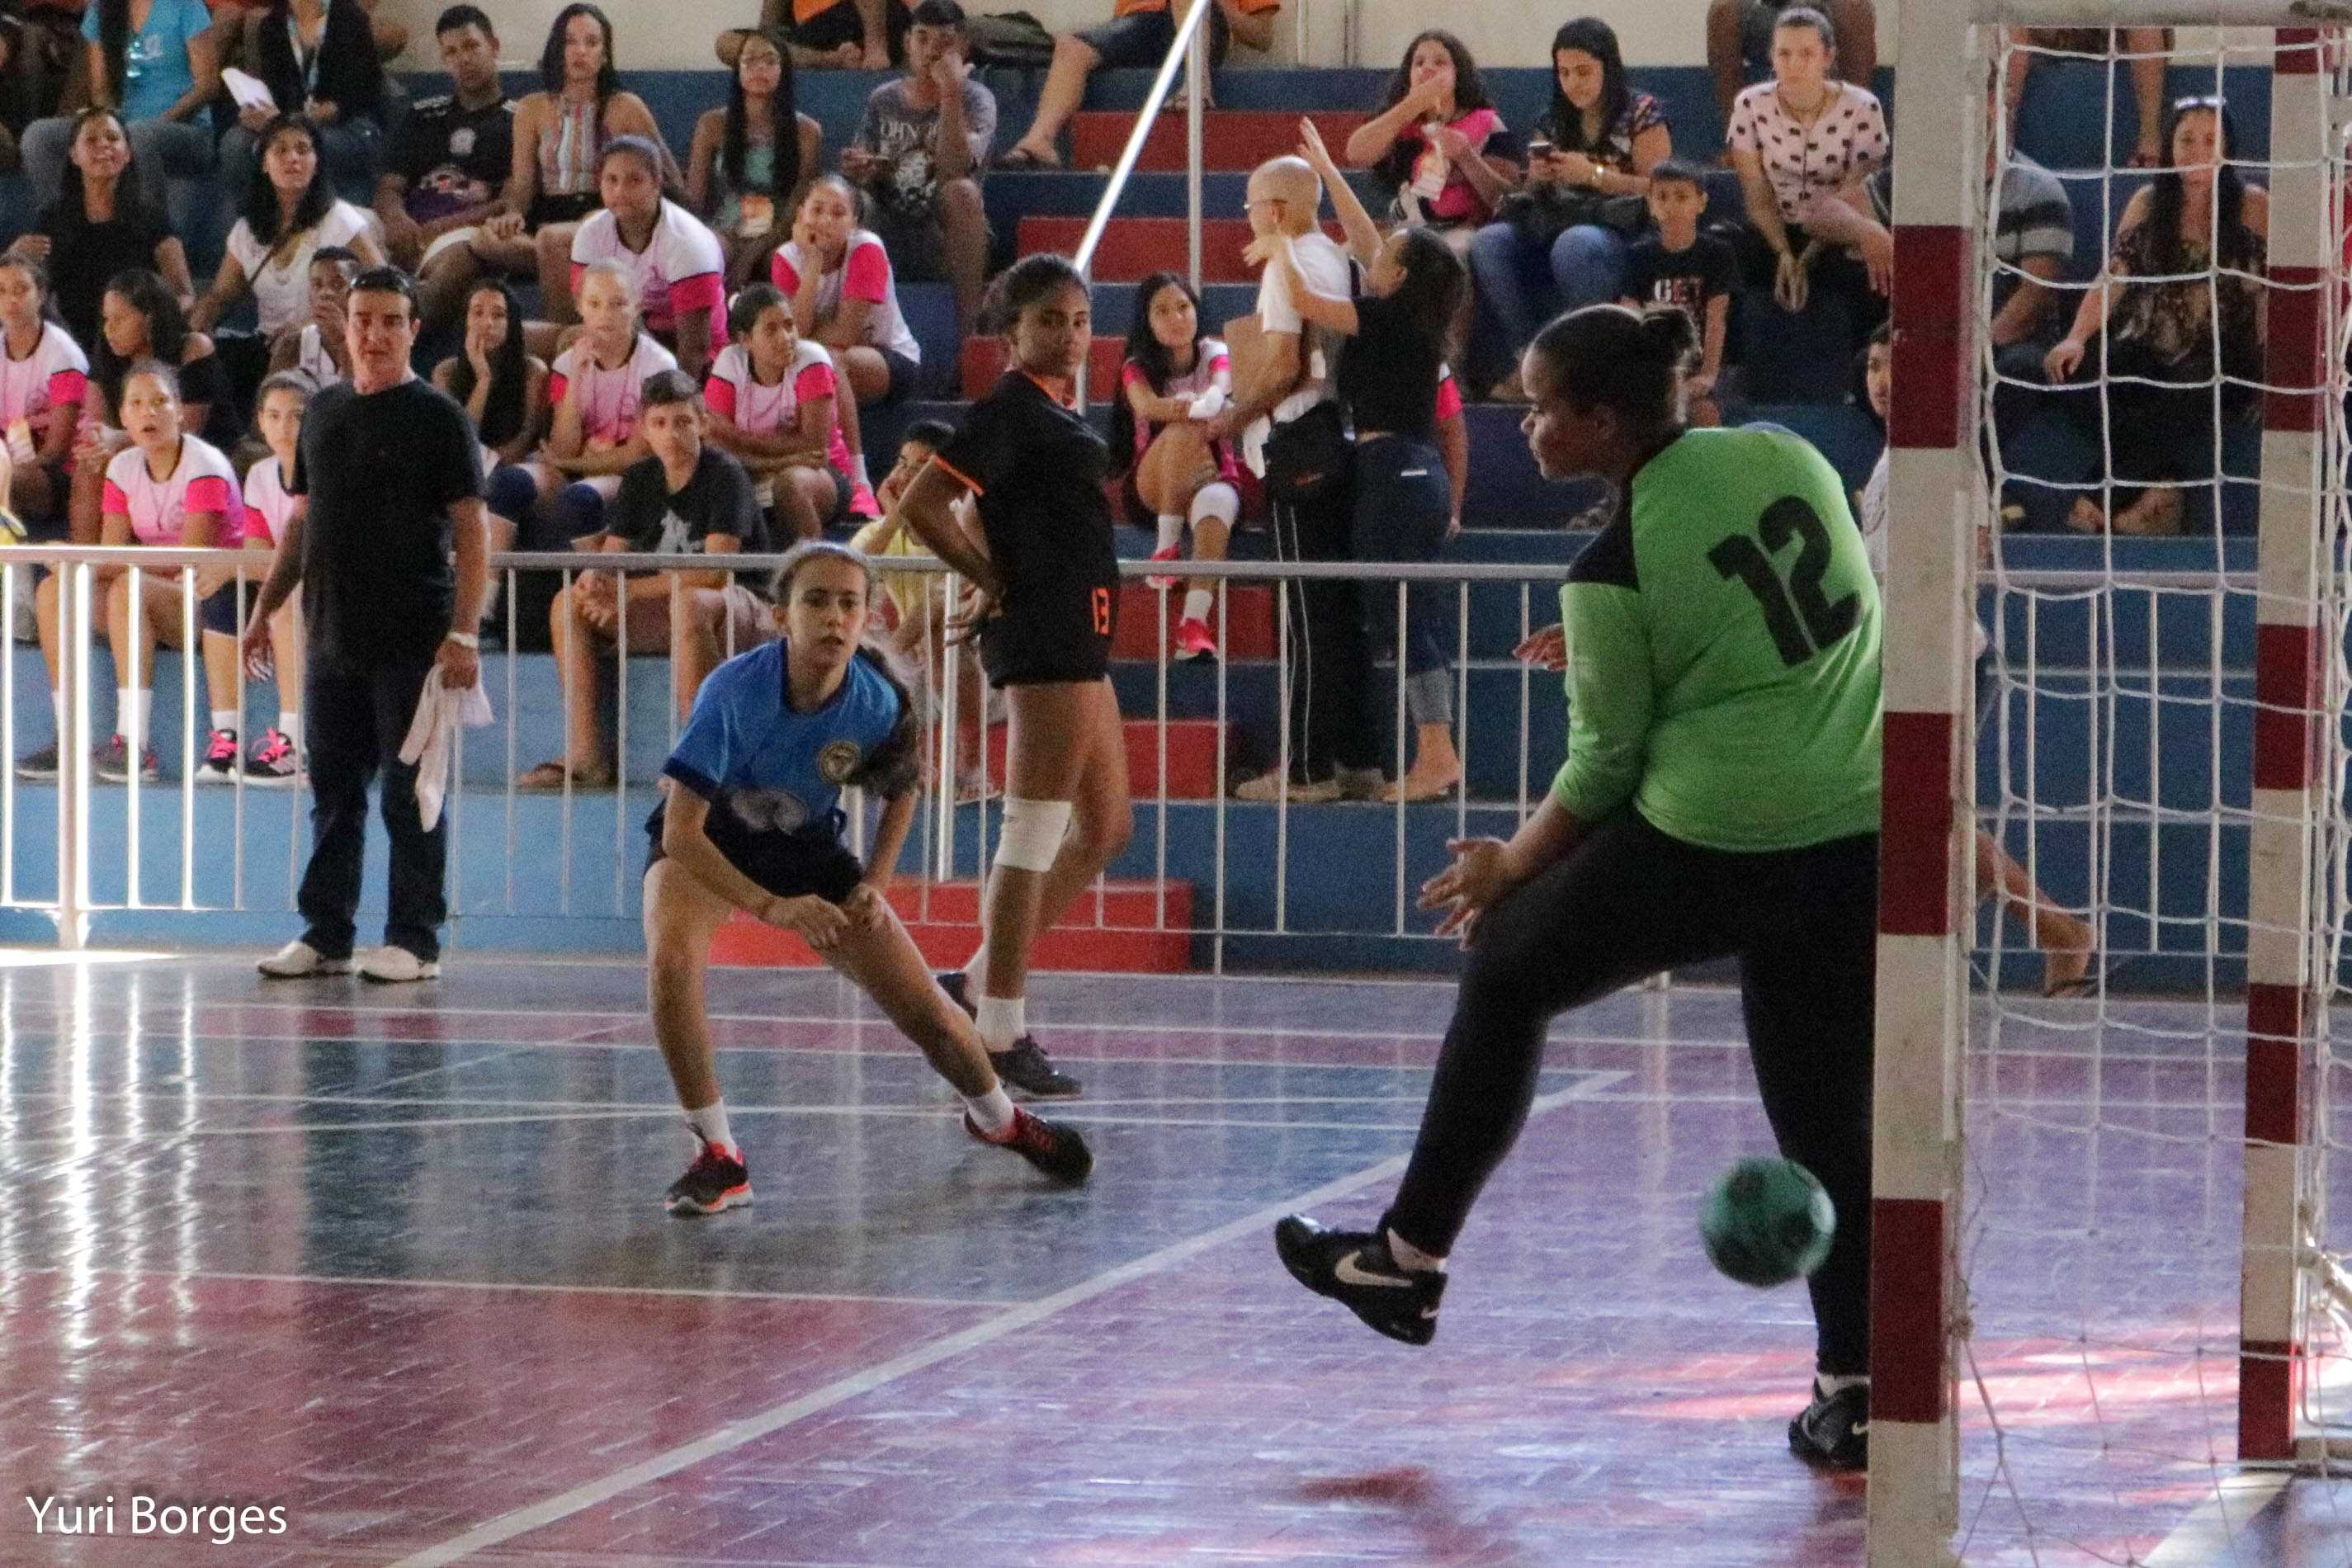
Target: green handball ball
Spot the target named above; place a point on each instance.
(1767, 1222)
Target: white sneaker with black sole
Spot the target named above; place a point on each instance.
(297, 959)
(390, 965)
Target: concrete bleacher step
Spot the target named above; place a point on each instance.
(1140, 927)
(1134, 247)
(1231, 139)
(1250, 630)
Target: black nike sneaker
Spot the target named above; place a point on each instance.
(1835, 1430)
(715, 1182)
(1355, 1268)
(1056, 1150)
(1026, 1066)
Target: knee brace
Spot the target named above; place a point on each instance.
(1033, 830)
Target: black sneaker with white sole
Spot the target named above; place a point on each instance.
(1026, 1066)
(1833, 1432)
(716, 1181)
(1054, 1149)
(1354, 1268)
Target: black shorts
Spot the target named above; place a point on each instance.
(839, 23)
(1055, 631)
(789, 865)
(1140, 39)
(547, 209)
(220, 611)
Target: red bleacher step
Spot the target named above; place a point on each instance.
(1232, 140)
(984, 359)
(1133, 248)
(1250, 624)
(1191, 758)
(1128, 934)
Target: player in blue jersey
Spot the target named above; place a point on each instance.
(752, 819)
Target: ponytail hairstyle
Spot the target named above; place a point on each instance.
(896, 766)
(1631, 363)
(1024, 283)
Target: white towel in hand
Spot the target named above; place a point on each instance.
(431, 736)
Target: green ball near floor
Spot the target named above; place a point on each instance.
(1767, 1222)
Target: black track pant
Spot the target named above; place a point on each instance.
(1331, 714)
(1625, 903)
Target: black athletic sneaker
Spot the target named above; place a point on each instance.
(715, 1182)
(1057, 1151)
(1026, 1066)
(1835, 1430)
(1354, 1269)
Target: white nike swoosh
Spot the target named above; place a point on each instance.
(1347, 1273)
(1862, 1428)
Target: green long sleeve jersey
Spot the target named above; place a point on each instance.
(1723, 632)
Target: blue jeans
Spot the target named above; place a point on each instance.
(172, 156)
(1526, 286)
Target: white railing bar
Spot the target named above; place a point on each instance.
(1194, 19)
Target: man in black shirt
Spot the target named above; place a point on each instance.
(687, 497)
(388, 484)
(448, 170)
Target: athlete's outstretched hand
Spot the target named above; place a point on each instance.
(1547, 649)
(1480, 874)
(866, 908)
(819, 924)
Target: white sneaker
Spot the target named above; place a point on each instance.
(298, 960)
(390, 965)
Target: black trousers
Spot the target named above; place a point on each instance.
(355, 718)
(1330, 665)
(1625, 903)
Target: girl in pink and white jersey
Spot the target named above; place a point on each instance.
(44, 382)
(774, 403)
(596, 387)
(275, 759)
(674, 260)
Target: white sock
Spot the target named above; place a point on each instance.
(131, 714)
(224, 719)
(858, 466)
(1002, 1020)
(1196, 605)
(1828, 1387)
(1171, 531)
(709, 1124)
(1408, 1256)
(289, 724)
(1219, 500)
(990, 1112)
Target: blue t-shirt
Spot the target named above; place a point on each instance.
(770, 771)
(155, 72)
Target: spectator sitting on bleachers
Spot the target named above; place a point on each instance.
(276, 758)
(596, 389)
(1136, 36)
(449, 164)
(502, 386)
(685, 497)
(316, 348)
(1805, 143)
(44, 381)
(290, 214)
(829, 35)
(918, 155)
(317, 60)
(236, 29)
(1696, 273)
(164, 102)
(2154, 349)
(774, 403)
(24, 94)
(1561, 240)
(1740, 42)
(845, 295)
(168, 490)
(1176, 376)
(559, 133)
(751, 160)
(101, 224)
(2147, 47)
(674, 264)
(140, 319)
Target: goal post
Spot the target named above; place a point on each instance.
(2274, 812)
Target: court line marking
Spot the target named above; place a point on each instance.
(736, 1433)
(975, 1304)
(2208, 1537)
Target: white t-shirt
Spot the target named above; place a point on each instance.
(281, 286)
(311, 358)
(268, 507)
(158, 509)
(1871, 519)
(680, 270)
(865, 274)
(608, 398)
(55, 373)
(1323, 268)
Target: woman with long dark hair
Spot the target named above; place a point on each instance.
(101, 224)
(1562, 238)
(44, 382)
(163, 102)
(501, 386)
(318, 57)
(1175, 377)
(749, 160)
(2198, 234)
(289, 215)
(139, 318)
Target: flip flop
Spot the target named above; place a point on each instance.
(2094, 979)
(1020, 158)
(548, 778)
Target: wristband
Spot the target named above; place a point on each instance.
(463, 639)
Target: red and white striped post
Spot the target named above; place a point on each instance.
(2280, 1062)
(1935, 499)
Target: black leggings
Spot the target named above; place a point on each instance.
(1625, 903)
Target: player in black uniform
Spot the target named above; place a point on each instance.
(1047, 576)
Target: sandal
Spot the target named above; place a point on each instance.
(1020, 158)
(550, 777)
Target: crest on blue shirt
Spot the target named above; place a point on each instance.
(837, 760)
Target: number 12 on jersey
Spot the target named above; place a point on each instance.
(1802, 621)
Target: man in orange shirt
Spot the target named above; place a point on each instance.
(1137, 36)
(844, 34)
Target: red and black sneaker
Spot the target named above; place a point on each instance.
(715, 1182)
(1057, 1151)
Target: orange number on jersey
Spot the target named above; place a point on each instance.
(1102, 612)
